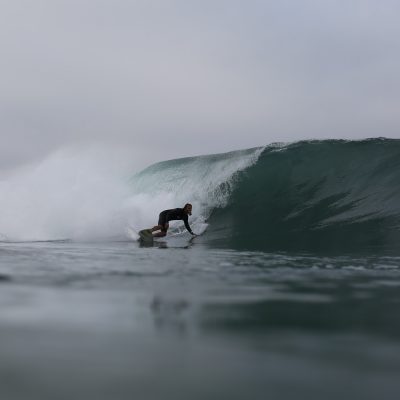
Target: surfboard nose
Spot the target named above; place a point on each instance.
(146, 235)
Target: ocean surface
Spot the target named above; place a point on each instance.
(291, 291)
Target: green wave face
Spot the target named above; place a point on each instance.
(315, 196)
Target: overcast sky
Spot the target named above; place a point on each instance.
(171, 78)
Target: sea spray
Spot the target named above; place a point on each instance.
(70, 194)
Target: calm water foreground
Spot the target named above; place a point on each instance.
(117, 321)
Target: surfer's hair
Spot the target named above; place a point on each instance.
(187, 205)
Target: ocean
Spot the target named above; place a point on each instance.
(291, 291)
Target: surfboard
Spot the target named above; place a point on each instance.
(145, 236)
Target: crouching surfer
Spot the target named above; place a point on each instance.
(172, 215)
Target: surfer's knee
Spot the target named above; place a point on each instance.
(164, 229)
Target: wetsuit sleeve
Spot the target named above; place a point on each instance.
(186, 221)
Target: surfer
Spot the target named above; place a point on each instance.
(172, 215)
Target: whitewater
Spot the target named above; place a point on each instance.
(290, 291)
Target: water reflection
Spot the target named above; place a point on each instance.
(171, 315)
(161, 244)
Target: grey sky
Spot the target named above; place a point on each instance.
(167, 79)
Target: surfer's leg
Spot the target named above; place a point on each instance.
(163, 232)
(156, 228)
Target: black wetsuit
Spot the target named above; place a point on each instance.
(171, 215)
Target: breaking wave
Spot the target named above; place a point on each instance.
(331, 195)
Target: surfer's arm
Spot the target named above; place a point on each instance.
(185, 220)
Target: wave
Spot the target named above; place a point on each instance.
(331, 195)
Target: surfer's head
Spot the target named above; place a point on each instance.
(188, 209)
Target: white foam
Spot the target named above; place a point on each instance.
(68, 195)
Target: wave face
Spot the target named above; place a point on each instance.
(328, 195)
